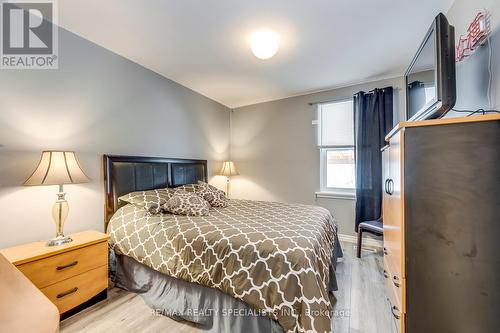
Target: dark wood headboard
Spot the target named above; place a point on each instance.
(125, 174)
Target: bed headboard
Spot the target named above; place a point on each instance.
(125, 174)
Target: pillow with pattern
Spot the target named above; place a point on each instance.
(214, 196)
(188, 188)
(186, 203)
(211, 187)
(151, 200)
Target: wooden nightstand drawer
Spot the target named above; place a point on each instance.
(68, 274)
(47, 271)
(73, 291)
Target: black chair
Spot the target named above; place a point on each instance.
(375, 227)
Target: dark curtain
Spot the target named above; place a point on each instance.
(373, 114)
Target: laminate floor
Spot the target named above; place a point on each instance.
(360, 304)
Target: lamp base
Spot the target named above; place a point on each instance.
(59, 240)
(228, 187)
(59, 213)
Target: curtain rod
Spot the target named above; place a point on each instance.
(336, 99)
(347, 98)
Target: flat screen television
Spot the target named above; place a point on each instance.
(430, 78)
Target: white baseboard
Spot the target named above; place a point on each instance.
(366, 241)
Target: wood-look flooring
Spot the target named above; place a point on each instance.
(360, 304)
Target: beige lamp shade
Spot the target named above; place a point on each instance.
(57, 168)
(228, 169)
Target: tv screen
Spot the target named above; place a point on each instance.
(421, 86)
(430, 79)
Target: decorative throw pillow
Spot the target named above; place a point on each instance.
(186, 203)
(188, 188)
(151, 200)
(214, 196)
(211, 187)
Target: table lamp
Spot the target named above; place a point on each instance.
(228, 170)
(58, 168)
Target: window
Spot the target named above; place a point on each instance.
(336, 143)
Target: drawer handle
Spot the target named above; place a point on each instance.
(60, 268)
(385, 251)
(395, 312)
(386, 275)
(66, 293)
(396, 282)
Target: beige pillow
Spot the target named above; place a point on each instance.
(214, 196)
(151, 200)
(186, 203)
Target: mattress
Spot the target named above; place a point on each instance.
(275, 257)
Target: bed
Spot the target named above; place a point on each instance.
(250, 267)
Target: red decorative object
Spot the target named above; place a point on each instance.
(476, 34)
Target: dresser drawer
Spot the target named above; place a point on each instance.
(394, 286)
(393, 244)
(399, 319)
(50, 270)
(395, 297)
(72, 292)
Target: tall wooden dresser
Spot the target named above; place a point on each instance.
(441, 211)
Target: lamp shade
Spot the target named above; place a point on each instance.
(228, 169)
(57, 168)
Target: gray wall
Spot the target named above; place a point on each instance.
(274, 147)
(274, 143)
(99, 102)
(472, 72)
(96, 103)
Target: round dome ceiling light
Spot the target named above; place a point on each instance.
(264, 43)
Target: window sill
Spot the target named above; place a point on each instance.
(336, 195)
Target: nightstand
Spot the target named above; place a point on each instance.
(70, 275)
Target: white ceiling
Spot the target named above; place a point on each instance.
(203, 44)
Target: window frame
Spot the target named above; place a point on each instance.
(333, 192)
(342, 191)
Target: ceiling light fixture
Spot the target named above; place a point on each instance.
(264, 43)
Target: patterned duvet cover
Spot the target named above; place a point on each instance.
(275, 257)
